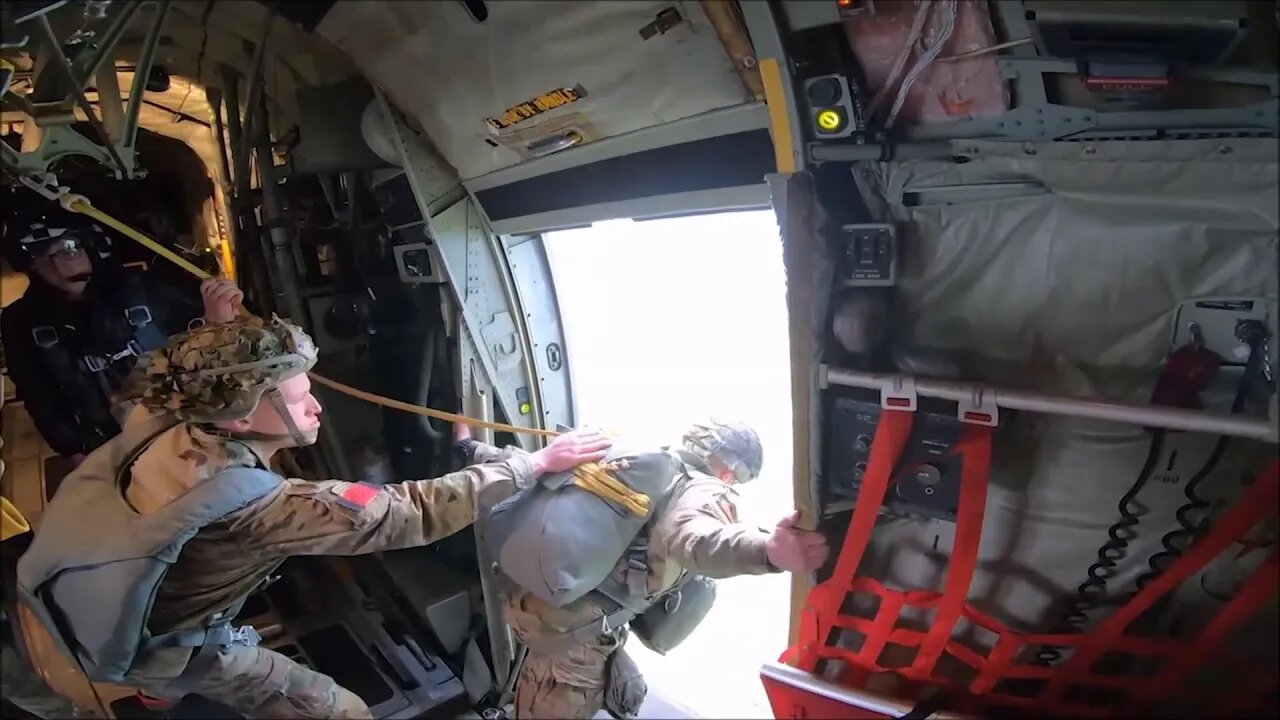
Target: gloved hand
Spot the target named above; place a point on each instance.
(220, 300)
(794, 550)
(570, 450)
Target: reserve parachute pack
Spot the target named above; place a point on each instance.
(673, 617)
(92, 571)
(590, 533)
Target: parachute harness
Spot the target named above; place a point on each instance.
(80, 204)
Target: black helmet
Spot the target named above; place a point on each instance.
(29, 235)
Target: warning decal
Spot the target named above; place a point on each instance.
(536, 106)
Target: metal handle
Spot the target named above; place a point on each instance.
(542, 148)
(853, 697)
(1145, 415)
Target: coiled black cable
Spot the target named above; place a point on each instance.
(1090, 593)
(1190, 516)
(1178, 540)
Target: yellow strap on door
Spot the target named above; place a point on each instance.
(80, 204)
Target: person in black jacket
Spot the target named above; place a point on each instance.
(72, 339)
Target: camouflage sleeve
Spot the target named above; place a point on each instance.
(339, 518)
(699, 529)
(485, 453)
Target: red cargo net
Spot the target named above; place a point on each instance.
(1252, 695)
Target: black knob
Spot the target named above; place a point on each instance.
(826, 91)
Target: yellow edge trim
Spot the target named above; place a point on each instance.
(784, 152)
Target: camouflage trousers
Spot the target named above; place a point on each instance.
(261, 683)
(20, 685)
(568, 685)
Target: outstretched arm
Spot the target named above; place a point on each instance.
(339, 518)
(700, 530)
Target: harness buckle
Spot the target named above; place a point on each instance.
(45, 336)
(138, 315)
(45, 184)
(979, 408)
(134, 348)
(245, 635)
(95, 363)
(899, 393)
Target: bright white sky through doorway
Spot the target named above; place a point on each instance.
(667, 321)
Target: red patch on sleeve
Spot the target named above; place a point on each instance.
(357, 496)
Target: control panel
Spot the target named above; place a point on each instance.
(927, 479)
(1211, 323)
(833, 106)
(418, 263)
(869, 254)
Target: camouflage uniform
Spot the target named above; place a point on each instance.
(696, 529)
(231, 557)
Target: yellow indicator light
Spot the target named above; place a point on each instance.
(830, 120)
(525, 408)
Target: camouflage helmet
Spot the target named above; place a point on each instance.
(219, 372)
(732, 445)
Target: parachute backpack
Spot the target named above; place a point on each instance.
(600, 547)
(594, 526)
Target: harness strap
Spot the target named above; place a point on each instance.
(563, 642)
(220, 635)
(610, 623)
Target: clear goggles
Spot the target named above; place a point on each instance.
(63, 249)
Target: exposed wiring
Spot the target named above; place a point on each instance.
(944, 36)
(204, 44)
(917, 26)
(1090, 593)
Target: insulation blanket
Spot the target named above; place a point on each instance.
(1074, 291)
(454, 74)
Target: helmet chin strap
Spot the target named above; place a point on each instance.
(277, 402)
